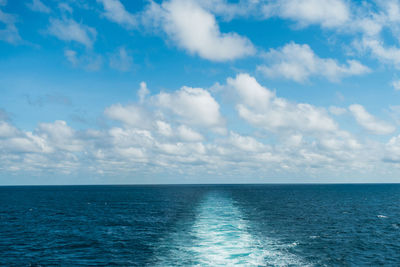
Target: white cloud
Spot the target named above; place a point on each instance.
(337, 110)
(392, 150)
(121, 60)
(194, 106)
(10, 31)
(368, 24)
(70, 30)
(230, 10)
(396, 85)
(7, 130)
(183, 132)
(172, 132)
(187, 134)
(131, 115)
(143, 92)
(385, 54)
(369, 122)
(164, 128)
(37, 5)
(64, 7)
(116, 12)
(246, 143)
(88, 61)
(71, 56)
(196, 30)
(327, 13)
(60, 136)
(299, 62)
(260, 107)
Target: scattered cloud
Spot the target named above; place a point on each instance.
(299, 62)
(38, 6)
(65, 7)
(396, 85)
(392, 150)
(186, 130)
(369, 122)
(327, 13)
(9, 33)
(187, 134)
(193, 106)
(195, 29)
(69, 30)
(89, 61)
(175, 132)
(130, 115)
(143, 92)
(121, 60)
(262, 108)
(116, 12)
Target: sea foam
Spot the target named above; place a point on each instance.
(220, 236)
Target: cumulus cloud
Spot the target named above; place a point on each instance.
(173, 132)
(115, 11)
(131, 115)
(7, 130)
(187, 134)
(392, 150)
(60, 136)
(38, 6)
(327, 13)
(193, 106)
(299, 62)
(367, 26)
(369, 122)
(195, 29)
(70, 30)
(246, 143)
(52, 146)
(262, 108)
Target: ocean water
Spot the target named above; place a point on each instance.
(200, 225)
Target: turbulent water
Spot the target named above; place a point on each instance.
(222, 225)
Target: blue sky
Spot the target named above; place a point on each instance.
(212, 91)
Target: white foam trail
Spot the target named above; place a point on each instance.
(220, 237)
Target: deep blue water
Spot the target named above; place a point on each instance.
(203, 225)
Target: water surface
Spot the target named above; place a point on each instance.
(203, 225)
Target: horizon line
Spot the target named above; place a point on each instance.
(205, 184)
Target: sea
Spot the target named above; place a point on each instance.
(200, 225)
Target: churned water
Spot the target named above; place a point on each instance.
(201, 225)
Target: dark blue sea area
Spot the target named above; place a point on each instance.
(200, 225)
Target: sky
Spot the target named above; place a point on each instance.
(210, 91)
